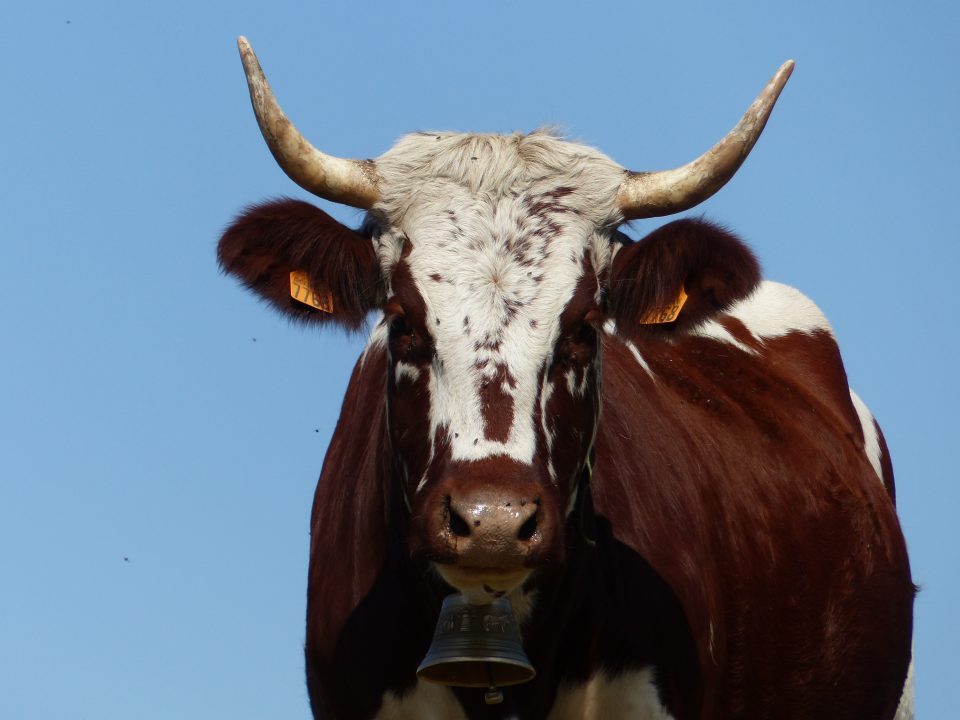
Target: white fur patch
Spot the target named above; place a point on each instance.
(638, 357)
(627, 696)
(427, 701)
(775, 309)
(905, 708)
(871, 440)
(485, 303)
(497, 229)
(406, 371)
(610, 328)
(772, 310)
(715, 331)
(546, 392)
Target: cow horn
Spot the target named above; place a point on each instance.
(351, 182)
(653, 194)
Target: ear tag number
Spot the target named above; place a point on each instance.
(667, 313)
(303, 291)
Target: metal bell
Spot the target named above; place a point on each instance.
(476, 646)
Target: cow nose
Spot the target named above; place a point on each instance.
(493, 530)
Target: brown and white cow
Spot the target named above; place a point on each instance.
(735, 551)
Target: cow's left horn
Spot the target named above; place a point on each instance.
(652, 194)
(351, 182)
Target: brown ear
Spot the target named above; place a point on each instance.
(269, 241)
(712, 266)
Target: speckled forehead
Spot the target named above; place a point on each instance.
(529, 196)
(419, 173)
(494, 261)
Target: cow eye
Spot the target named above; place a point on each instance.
(397, 318)
(399, 326)
(403, 341)
(407, 343)
(578, 347)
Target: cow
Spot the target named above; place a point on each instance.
(652, 451)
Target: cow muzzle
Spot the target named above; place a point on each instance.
(486, 539)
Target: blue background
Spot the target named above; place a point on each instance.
(161, 431)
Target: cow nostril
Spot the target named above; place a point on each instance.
(528, 528)
(458, 525)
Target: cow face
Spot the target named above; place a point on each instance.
(487, 256)
(494, 252)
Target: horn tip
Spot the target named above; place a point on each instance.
(787, 68)
(251, 66)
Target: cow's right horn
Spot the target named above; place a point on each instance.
(652, 194)
(351, 182)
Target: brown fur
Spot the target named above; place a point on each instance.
(268, 241)
(733, 535)
(743, 482)
(712, 265)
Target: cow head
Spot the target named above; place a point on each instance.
(496, 264)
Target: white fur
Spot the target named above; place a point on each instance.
(627, 696)
(482, 281)
(714, 330)
(871, 440)
(775, 309)
(426, 701)
(406, 371)
(492, 274)
(871, 446)
(772, 310)
(638, 357)
(905, 708)
(546, 391)
(610, 328)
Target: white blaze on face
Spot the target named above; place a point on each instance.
(494, 281)
(498, 228)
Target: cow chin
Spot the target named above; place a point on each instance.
(480, 585)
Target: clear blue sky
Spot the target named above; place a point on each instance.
(161, 432)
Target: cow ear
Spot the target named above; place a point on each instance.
(692, 264)
(336, 272)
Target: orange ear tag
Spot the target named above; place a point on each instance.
(302, 291)
(667, 313)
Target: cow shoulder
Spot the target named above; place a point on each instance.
(739, 449)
